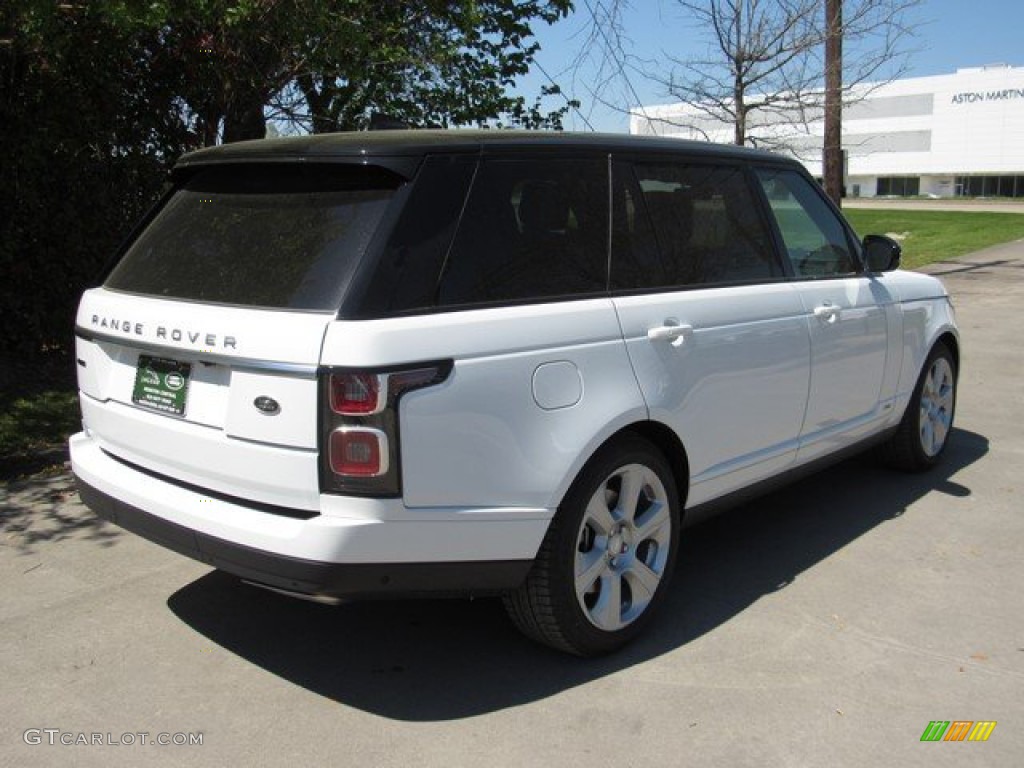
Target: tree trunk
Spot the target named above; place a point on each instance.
(209, 124)
(244, 120)
(738, 84)
(832, 154)
(318, 99)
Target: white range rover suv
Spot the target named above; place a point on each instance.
(491, 363)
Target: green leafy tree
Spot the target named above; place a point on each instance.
(87, 133)
(330, 66)
(434, 63)
(99, 98)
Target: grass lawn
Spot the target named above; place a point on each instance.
(39, 411)
(35, 421)
(929, 236)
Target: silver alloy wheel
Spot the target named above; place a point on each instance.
(936, 406)
(622, 547)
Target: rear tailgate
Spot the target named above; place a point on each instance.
(227, 358)
(197, 359)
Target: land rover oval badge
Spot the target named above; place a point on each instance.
(267, 405)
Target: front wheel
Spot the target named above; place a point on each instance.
(923, 434)
(608, 556)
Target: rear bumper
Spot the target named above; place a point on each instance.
(309, 576)
(326, 555)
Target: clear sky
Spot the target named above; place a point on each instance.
(949, 34)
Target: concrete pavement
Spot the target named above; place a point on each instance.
(824, 625)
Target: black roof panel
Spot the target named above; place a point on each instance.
(413, 144)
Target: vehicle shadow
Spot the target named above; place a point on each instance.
(433, 660)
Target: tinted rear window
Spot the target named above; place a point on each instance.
(279, 237)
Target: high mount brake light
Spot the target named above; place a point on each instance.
(359, 440)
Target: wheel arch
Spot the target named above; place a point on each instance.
(953, 345)
(904, 448)
(665, 440)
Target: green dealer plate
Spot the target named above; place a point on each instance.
(161, 384)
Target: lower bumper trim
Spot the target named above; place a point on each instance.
(310, 577)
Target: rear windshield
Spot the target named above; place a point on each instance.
(278, 237)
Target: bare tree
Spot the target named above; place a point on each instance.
(757, 60)
(762, 72)
(766, 65)
(603, 66)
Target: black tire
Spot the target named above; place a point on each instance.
(914, 447)
(628, 552)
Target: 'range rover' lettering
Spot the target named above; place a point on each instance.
(206, 340)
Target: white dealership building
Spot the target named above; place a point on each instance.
(945, 135)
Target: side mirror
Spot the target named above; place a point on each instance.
(882, 253)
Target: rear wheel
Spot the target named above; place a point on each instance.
(608, 556)
(923, 434)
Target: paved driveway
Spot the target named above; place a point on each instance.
(823, 625)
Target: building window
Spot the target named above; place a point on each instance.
(990, 186)
(899, 186)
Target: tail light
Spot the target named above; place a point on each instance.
(357, 394)
(359, 440)
(358, 452)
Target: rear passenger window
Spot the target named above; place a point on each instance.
(813, 235)
(531, 229)
(705, 223)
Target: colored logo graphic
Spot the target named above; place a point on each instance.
(958, 730)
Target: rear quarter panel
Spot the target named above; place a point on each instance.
(534, 391)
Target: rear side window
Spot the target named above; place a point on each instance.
(531, 229)
(262, 236)
(405, 277)
(705, 223)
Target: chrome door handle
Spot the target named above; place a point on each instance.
(827, 312)
(670, 332)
